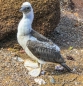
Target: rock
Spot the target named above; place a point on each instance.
(79, 6)
(35, 72)
(59, 68)
(43, 72)
(40, 81)
(52, 80)
(18, 59)
(74, 6)
(47, 15)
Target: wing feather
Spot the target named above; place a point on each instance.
(40, 37)
(44, 51)
(44, 39)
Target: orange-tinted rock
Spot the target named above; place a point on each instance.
(74, 6)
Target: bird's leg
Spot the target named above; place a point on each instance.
(40, 66)
(42, 71)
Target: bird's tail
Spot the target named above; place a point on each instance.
(65, 66)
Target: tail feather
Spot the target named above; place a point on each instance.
(65, 66)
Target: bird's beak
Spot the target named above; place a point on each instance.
(22, 8)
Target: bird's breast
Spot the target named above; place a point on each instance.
(22, 40)
(24, 27)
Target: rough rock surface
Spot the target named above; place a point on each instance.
(47, 15)
(73, 6)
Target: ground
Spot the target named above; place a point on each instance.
(69, 36)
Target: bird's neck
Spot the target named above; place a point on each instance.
(25, 25)
(29, 16)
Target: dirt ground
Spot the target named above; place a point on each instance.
(69, 36)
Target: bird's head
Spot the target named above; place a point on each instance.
(27, 10)
(26, 7)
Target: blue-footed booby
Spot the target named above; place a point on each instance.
(37, 46)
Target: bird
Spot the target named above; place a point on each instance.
(37, 46)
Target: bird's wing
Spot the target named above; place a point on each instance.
(44, 51)
(39, 36)
(42, 38)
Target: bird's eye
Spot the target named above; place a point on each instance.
(28, 8)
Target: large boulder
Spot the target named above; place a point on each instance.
(47, 16)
